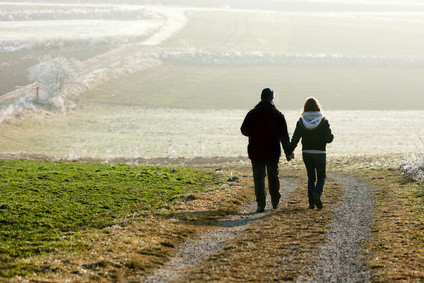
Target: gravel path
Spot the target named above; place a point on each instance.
(341, 259)
(192, 252)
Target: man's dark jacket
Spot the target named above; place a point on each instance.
(266, 127)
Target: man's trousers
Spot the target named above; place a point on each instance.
(260, 170)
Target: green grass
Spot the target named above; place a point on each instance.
(44, 204)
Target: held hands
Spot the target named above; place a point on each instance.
(290, 157)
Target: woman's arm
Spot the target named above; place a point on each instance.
(329, 137)
(296, 136)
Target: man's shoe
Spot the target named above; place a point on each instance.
(260, 209)
(317, 201)
(311, 206)
(275, 205)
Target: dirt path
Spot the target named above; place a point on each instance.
(342, 259)
(195, 251)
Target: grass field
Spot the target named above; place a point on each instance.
(345, 34)
(396, 249)
(368, 81)
(81, 221)
(238, 87)
(44, 206)
(106, 132)
(197, 76)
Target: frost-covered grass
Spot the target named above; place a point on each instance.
(136, 132)
(200, 57)
(25, 27)
(414, 167)
(242, 53)
(46, 12)
(26, 34)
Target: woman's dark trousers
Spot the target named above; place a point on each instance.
(315, 168)
(260, 170)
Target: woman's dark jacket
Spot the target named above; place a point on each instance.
(312, 139)
(266, 127)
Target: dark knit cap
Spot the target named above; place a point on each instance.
(267, 94)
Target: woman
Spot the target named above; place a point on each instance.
(315, 132)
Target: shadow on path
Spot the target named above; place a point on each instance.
(192, 252)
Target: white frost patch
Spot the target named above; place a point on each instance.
(41, 31)
(414, 167)
(208, 58)
(19, 107)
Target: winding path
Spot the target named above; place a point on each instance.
(341, 259)
(192, 252)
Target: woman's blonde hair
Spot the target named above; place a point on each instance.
(311, 104)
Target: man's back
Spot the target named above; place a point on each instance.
(266, 128)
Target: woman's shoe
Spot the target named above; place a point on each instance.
(311, 206)
(260, 209)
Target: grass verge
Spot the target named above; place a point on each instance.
(278, 248)
(78, 221)
(397, 245)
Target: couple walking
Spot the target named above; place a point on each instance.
(266, 128)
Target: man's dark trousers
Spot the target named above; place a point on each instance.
(260, 170)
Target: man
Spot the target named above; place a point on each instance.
(266, 128)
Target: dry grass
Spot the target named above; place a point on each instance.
(397, 245)
(280, 247)
(136, 245)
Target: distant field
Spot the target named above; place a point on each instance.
(110, 131)
(341, 33)
(27, 26)
(354, 68)
(346, 62)
(16, 64)
(239, 87)
(30, 31)
(212, 72)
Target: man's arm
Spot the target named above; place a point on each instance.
(284, 138)
(247, 124)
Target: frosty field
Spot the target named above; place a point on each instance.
(363, 61)
(136, 132)
(39, 31)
